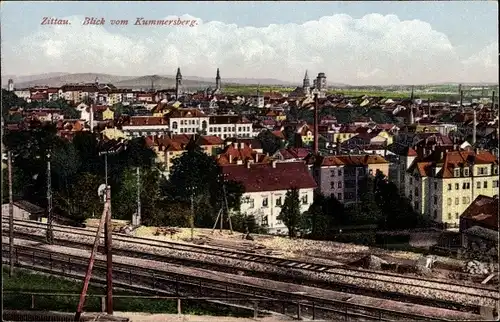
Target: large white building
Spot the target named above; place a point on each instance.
(266, 185)
(443, 184)
(230, 126)
(187, 121)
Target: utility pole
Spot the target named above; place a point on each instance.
(50, 232)
(11, 217)
(191, 219)
(109, 254)
(137, 221)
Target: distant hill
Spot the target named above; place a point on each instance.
(135, 82)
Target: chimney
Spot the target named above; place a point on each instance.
(423, 152)
(441, 156)
(461, 98)
(230, 159)
(242, 145)
(273, 163)
(235, 145)
(315, 146)
(249, 162)
(474, 125)
(256, 157)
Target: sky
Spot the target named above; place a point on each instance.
(357, 43)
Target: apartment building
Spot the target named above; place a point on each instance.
(187, 121)
(266, 185)
(339, 175)
(145, 125)
(229, 126)
(443, 184)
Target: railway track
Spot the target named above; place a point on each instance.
(167, 283)
(475, 294)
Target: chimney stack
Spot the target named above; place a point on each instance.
(474, 125)
(315, 147)
(273, 163)
(337, 147)
(256, 157)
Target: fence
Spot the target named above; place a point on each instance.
(299, 308)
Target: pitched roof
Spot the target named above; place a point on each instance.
(483, 210)
(361, 160)
(266, 177)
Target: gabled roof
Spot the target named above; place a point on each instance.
(266, 177)
(483, 210)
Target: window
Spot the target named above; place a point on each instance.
(464, 185)
(417, 204)
(449, 216)
(464, 200)
(456, 172)
(251, 203)
(410, 197)
(411, 180)
(456, 215)
(435, 185)
(264, 202)
(174, 125)
(485, 185)
(340, 172)
(339, 196)
(495, 184)
(466, 172)
(457, 201)
(264, 220)
(278, 202)
(481, 170)
(435, 200)
(332, 173)
(332, 185)
(449, 186)
(435, 214)
(304, 199)
(449, 201)
(478, 185)
(416, 192)
(339, 185)
(467, 185)
(495, 169)
(457, 186)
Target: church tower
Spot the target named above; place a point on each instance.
(217, 82)
(178, 83)
(306, 84)
(10, 86)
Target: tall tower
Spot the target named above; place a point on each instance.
(96, 81)
(321, 84)
(178, 83)
(217, 81)
(10, 86)
(306, 84)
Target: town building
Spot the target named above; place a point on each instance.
(444, 183)
(266, 185)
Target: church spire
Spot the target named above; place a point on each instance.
(178, 83)
(217, 81)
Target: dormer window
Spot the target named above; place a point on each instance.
(495, 169)
(457, 172)
(466, 172)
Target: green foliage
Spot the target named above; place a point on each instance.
(81, 201)
(366, 211)
(270, 142)
(10, 100)
(324, 215)
(67, 110)
(245, 223)
(290, 212)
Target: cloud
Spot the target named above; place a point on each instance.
(374, 49)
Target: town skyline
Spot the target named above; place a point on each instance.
(381, 45)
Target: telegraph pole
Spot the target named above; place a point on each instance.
(138, 216)
(109, 254)
(11, 217)
(191, 219)
(50, 232)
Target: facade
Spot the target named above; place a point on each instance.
(187, 121)
(339, 175)
(266, 186)
(443, 184)
(229, 126)
(145, 125)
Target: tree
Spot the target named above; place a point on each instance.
(290, 212)
(270, 142)
(82, 201)
(68, 111)
(366, 210)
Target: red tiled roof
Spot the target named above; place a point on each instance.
(210, 140)
(483, 211)
(294, 153)
(148, 120)
(361, 160)
(265, 177)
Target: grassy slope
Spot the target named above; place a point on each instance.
(25, 281)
